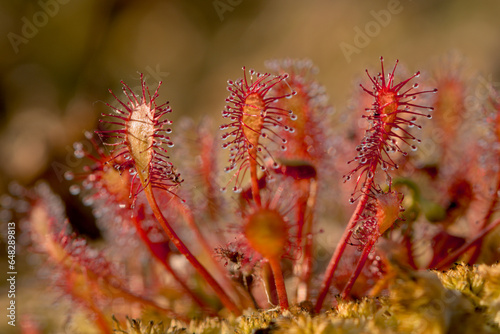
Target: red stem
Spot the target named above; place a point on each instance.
(335, 260)
(301, 205)
(255, 181)
(305, 266)
(280, 282)
(184, 286)
(224, 298)
(163, 259)
(269, 284)
(454, 255)
(101, 319)
(227, 284)
(189, 217)
(361, 263)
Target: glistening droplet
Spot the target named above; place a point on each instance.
(69, 175)
(74, 189)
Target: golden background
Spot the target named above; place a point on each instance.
(54, 79)
(59, 58)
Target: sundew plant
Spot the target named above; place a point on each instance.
(236, 223)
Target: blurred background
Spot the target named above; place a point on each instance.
(58, 58)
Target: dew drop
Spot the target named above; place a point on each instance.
(351, 200)
(223, 189)
(275, 165)
(413, 147)
(283, 148)
(69, 175)
(79, 154)
(291, 130)
(74, 189)
(429, 116)
(87, 184)
(168, 130)
(369, 175)
(170, 144)
(121, 206)
(6, 201)
(293, 117)
(88, 201)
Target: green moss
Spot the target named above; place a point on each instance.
(463, 299)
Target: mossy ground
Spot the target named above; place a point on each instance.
(464, 299)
